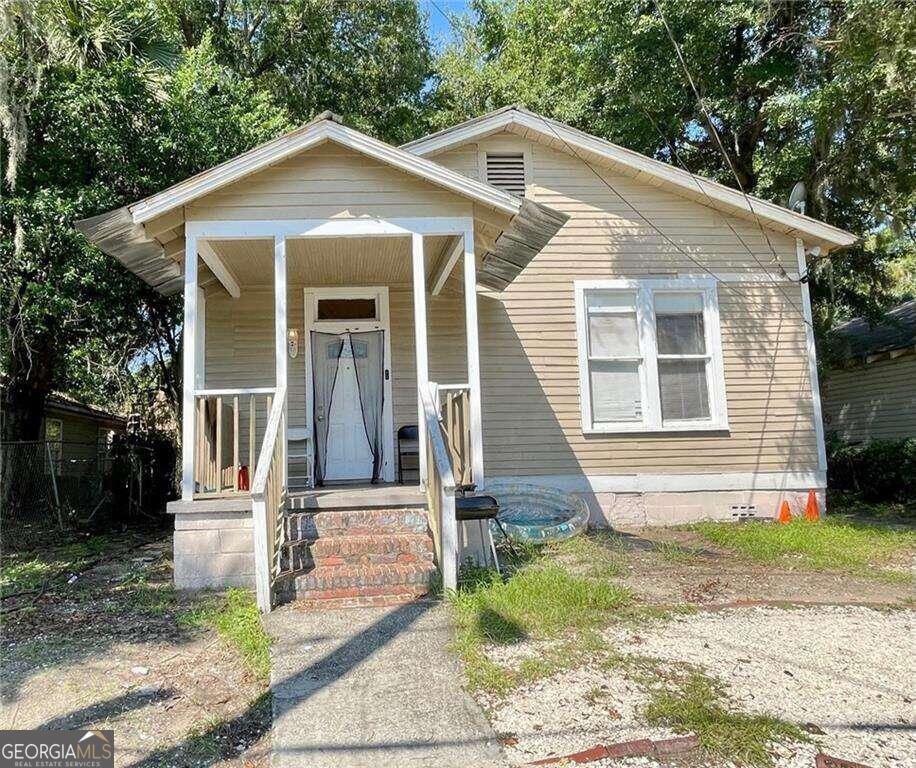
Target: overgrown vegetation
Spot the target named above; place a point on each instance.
(692, 702)
(237, 619)
(880, 471)
(829, 544)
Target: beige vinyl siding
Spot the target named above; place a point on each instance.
(239, 348)
(328, 181)
(876, 401)
(531, 412)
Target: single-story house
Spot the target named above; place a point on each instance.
(870, 393)
(544, 306)
(76, 434)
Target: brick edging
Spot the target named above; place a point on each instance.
(637, 748)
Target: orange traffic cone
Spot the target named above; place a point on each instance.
(785, 514)
(812, 508)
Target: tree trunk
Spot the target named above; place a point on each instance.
(30, 383)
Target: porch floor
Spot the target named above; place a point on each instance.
(340, 497)
(358, 496)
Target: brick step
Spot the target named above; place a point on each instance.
(356, 581)
(357, 522)
(376, 598)
(372, 550)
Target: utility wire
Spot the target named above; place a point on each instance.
(722, 150)
(643, 217)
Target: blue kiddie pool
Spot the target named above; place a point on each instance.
(537, 514)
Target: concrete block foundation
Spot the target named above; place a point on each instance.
(213, 549)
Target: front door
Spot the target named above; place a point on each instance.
(349, 453)
(339, 312)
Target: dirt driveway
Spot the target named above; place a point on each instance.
(101, 639)
(821, 660)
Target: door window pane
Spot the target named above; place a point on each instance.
(346, 309)
(613, 335)
(615, 391)
(683, 390)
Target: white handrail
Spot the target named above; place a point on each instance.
(262, 526)
(238, 391)
(440, 486)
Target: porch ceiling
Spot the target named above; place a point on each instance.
(331, 261)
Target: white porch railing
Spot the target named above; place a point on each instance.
(268, 501)
(440, 488)
(226, 429)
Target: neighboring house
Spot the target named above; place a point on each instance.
(77, 434)
(871, 393)
(596, 321)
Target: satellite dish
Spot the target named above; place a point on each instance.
(797, 197)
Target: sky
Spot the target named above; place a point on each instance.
(440, 33)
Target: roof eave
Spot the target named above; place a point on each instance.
(813, 231)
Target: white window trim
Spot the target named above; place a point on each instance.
(648, 377)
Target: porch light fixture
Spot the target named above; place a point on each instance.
(292, 342)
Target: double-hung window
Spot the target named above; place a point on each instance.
(650, 356)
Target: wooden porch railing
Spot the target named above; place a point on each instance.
(226, 430)
(268, 502)
(440, 489)
(455, 413)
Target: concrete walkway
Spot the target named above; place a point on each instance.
(372, 687)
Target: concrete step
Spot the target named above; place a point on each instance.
(357, 522)
(402, 581)
(377, 549)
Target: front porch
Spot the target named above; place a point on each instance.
(275, 429)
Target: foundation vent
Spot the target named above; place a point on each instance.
(743, 511)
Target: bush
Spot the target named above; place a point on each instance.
(882, 470)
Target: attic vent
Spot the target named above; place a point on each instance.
(506, 171)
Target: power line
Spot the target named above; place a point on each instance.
(722, 150)
(652, 225)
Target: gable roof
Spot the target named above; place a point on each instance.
(518, 119)
(121, 234)
(858, 338)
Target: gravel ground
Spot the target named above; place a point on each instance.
(849, 671)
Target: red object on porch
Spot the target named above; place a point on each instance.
(243, 478)
(812, 508)
(785, 514)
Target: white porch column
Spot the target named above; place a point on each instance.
(419, 319)
(473, 344)
(189, 368)
(280, 334)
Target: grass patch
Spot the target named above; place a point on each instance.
(831, 543)
(237, 620)
(26, 571)
(561, 592)
(694, 703)
(671, 552)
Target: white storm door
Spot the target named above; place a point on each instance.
(349, 453)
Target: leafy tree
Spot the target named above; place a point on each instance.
(781, 91)
(367, 60)
(103, 102)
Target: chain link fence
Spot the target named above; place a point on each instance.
(70, 484)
